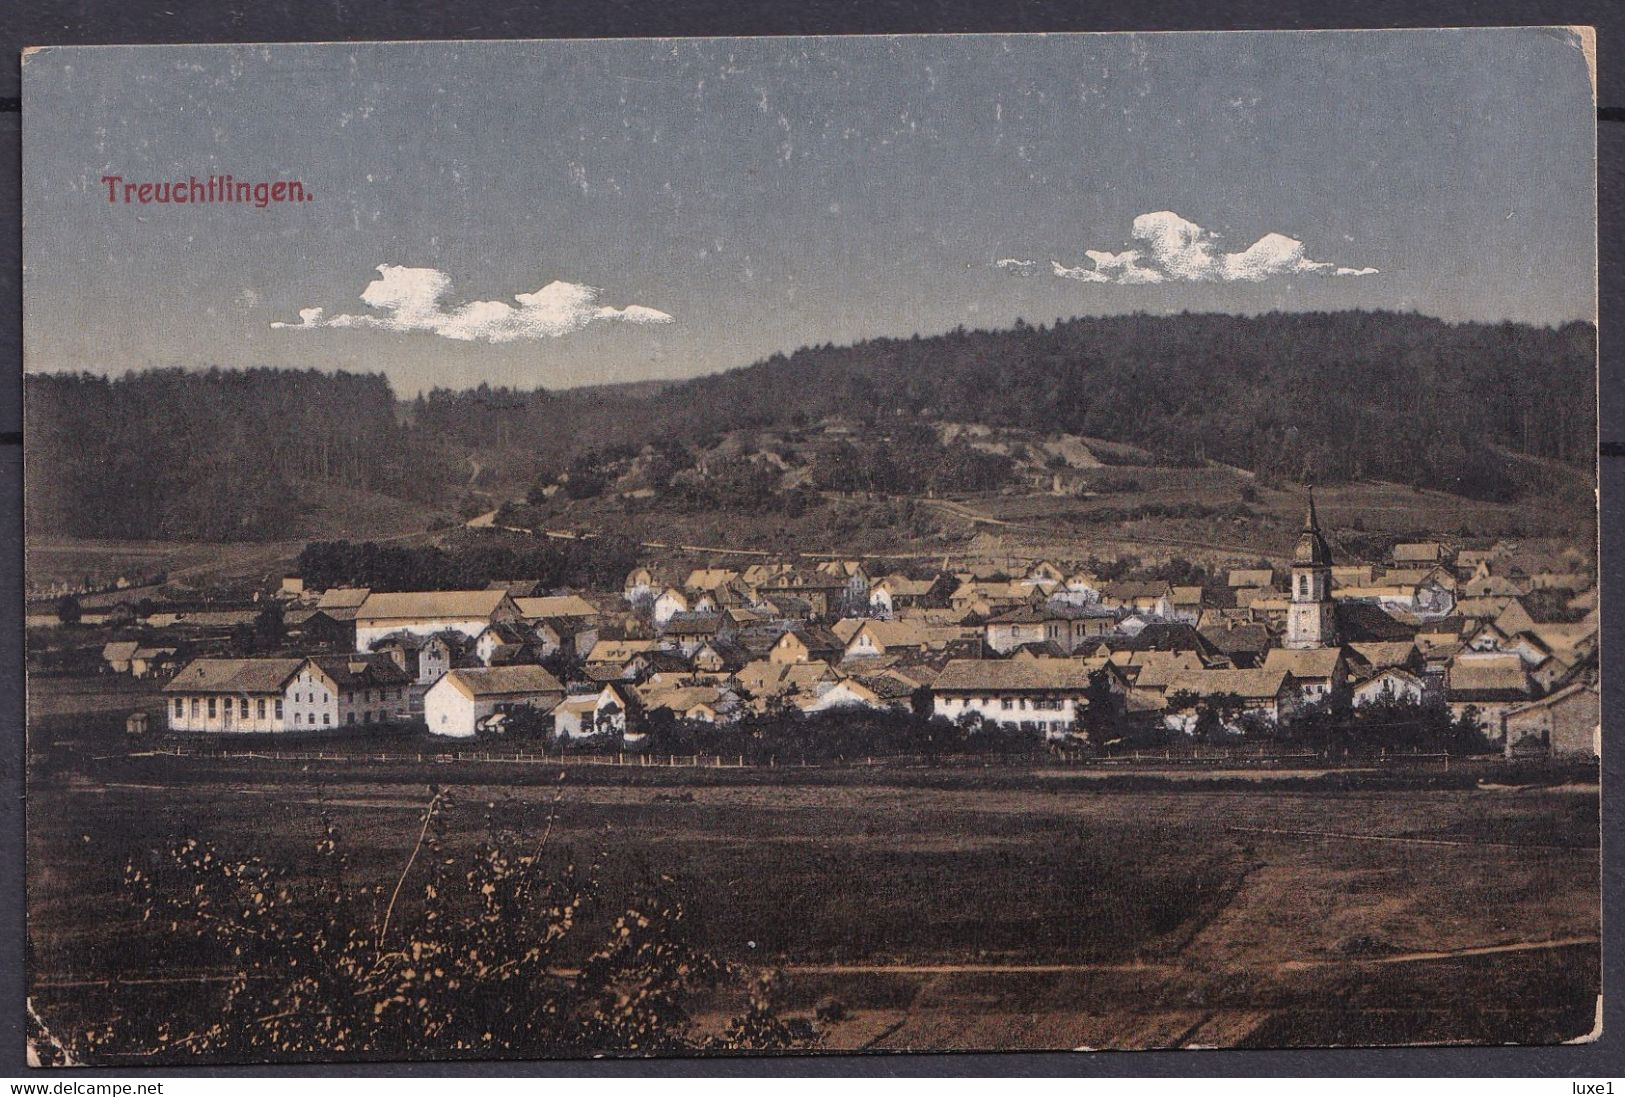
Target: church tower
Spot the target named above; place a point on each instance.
(1310, 622)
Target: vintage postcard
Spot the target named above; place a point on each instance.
(731, 546)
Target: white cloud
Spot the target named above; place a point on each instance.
(1172, 249)
(412, 299)
(1023, 267)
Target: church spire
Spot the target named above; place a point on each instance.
(1312, 547)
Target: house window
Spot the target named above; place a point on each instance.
(350, 718)
(242, 708)
(366, 717)
(326, 719)
(260, 709)
(1007, 704)
(298, 718)
(1303, 584)
(279, 708)
(211, 708)
(194, 708)
(180, 707)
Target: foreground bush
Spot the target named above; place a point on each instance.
(462, 955)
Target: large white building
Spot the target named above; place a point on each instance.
(1037, 694)
(462, 698)
(424, 613)
(292, 695)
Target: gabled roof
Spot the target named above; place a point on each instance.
(619, 651)
(708, 578)
(1253, 684)
(234, 676)
(349, 671)
(1387, 675)
(1049, 611)
(680, 698)
(1419, 550)
(519, 588)
(431, 605)
(1304, 663)
(1237, 639)
(1414, 577)
(1578, 637)
(558, 605)
(1251, 577)
(1363, 622)
(693, 624)
(887, 686)
(1492, 586)
(1130, 591)
(1569, 693)
(119, 650)
(900, 586)
(1514, 619)
(505, 633)
(1154, 670)
(342, 598)
(970, 675)
(1487, 676)
(505, 681)
(1165, 636)
(1386, 653)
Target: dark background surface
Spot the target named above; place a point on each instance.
(63, 22)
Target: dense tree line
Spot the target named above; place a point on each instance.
(598, 563)
(213, 455)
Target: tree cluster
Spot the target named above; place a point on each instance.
(586, 564)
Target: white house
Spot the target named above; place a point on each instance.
(249, 696)
(1270, 695)
(1037, 694)
(1390, 684)
(1064, 625)
(594, 713)
(1321, 674)
(232, 695)
(462, 698)
(424, 613)
(671, 601)
(639, 584)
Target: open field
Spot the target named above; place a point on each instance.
(331, 513)
(1014, 908)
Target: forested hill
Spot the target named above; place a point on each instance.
(214, 454)
(1323, 396)
(227, 454)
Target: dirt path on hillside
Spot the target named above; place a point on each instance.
(976, 517)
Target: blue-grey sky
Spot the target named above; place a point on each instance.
(744, 196)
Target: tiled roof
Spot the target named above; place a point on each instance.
(234, 676)
(962, 675)
(430, 604)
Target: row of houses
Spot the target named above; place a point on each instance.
(1022, 649)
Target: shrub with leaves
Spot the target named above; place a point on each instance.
(465, 953)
